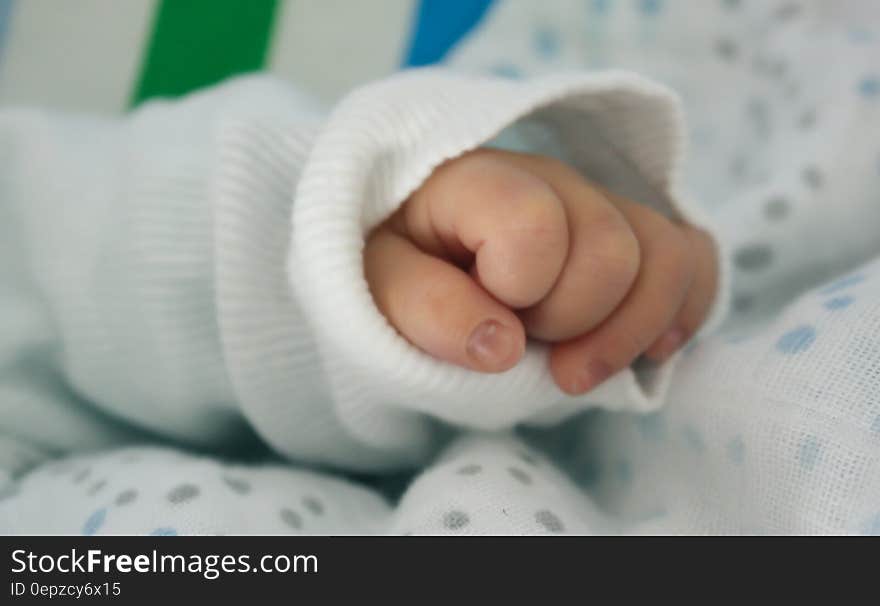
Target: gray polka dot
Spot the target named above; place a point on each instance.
(731, 4)
(761, 176)
(82, 475)
(291, 518)
(469, 470)
(743, 303)
(183, 493)
(455, 519)
(812, 176)
(96, 487)
(314, 505)
(788, 11)
(237, 484)
(8, 491)
(776, 208)
(759, 113)
(520, 475)
(761, 64)
(549, 520)
(126, 496)
(807, 119)
(727, 49)
(739, 167)
(777, 68)
(753, 257)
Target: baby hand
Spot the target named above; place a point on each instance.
(499, 245)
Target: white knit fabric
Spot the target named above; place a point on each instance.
(171, 300)
(378, 146)
(192, 274)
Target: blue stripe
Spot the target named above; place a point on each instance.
(5, 18)
(439, 25)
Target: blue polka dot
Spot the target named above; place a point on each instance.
(652, 426)
(869, 86)
(860, 35)
(838, 302)
(872, 527)
(507, 70)
(164, 531)
(797, 340)
(651, 7)
(693, 439)
(546, 43)
(94, 522)
(842, 283)
(704, 135)
(736, 450)
(809, 452)
(601, 6)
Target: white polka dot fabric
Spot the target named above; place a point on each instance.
(162, 491)
(773, 431)
(768, 430)
(780, 141)
(771, 426)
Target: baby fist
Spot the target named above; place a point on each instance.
(499, 246)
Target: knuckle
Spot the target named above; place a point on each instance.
(535, 209)
(616, 248)
(675, 257)
(555, 166)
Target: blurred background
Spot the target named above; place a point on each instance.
(108, 55)
(776, 92)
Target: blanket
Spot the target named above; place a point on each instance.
(770, 425)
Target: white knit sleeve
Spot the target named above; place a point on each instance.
(194, 270)
(143, 290)
(377, 147)
(109, 328)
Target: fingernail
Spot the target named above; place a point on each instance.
(491, 344)
(669, 343)
(591, 375)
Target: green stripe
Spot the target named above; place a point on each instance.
(196, 43)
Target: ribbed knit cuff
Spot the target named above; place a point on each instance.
(268, 346)
(379, 145)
